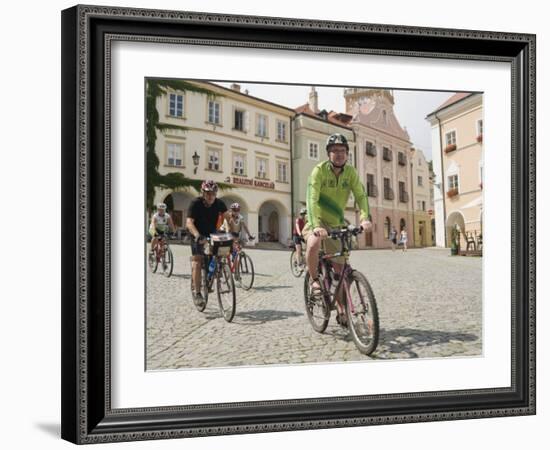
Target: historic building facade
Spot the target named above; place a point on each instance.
(457, 143)
(383, 162)
(421, 188)
(234, 138)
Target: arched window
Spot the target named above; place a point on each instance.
(387, 228)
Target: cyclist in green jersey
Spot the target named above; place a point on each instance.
(328, 190)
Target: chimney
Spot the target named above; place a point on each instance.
(313, 100)
(236, 87)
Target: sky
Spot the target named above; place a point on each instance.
(411, 107)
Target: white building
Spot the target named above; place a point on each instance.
(234, 138)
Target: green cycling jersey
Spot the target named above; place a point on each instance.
(327, 195)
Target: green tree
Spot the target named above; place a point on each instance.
(155, 88)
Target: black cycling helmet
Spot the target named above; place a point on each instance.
(337, 138)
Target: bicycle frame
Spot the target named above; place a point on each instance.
(342, 280)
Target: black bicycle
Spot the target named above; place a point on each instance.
(215, 270)
(354, 290)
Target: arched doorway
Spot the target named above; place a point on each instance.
(455, 220)
(402, 224)
(273, 222)
(387, 228)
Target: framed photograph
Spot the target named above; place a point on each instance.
(282, 224)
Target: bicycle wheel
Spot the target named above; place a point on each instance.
(152, 261)
(168, 262)
(362, 313)
(245, 271)
(225, 288)
(317, 307)
(200, 304)
(296, 270)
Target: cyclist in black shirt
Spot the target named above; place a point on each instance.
(205, 216)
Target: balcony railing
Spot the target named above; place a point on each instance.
(388, 194)
(404, 197)
(372, 190)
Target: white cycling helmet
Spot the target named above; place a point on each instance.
(161, 206)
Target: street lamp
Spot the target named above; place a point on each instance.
(196, 159)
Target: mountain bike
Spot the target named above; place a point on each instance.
(162, 254)
(241, 266)
(215, 270)
(354, 290)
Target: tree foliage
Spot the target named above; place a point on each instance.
(155, 88)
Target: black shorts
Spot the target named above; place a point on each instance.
(197, 249)
(298, 240)
(394, 241)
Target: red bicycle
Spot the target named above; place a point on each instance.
(241, 266)
(162, 254)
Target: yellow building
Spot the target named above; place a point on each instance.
(457, 143)
(235, 138)
(422, 199)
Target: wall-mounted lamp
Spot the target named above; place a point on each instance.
(196, 158)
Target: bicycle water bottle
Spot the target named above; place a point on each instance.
(211, 267)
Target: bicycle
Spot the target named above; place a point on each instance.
(162, 254)
(215, 268)
(241, 266)
(297, 269)
(360, 304)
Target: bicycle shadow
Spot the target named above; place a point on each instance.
(402, 340)
(185, 276)
(270, 288)
(259, 317)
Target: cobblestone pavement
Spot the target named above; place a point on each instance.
(429, 305)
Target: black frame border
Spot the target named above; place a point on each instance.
(87, 31)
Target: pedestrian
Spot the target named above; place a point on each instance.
(393, 238)
(403, 239)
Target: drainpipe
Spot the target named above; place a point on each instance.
(412, 198)
(442, 179)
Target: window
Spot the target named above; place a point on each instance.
(370, 149)
(176, 105)
(420, 181)
(261, 168)
(281, 131)
(388, 191)
(174, 153)
(452, 182)
(261, 128)
(401, 158)
(403, 195)
(214, 109)
(450, 138)
(419, 162)
(423, 205)
(372, 191)
(239, 117)
(350, 158)
(313, 150)
(239, 164)
(214, 159)
(387, 154)
(480, 127)
(387, 228)
(282, 172)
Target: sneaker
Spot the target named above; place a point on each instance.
(198, 299)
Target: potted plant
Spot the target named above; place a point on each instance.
(452, 192)
(455, 241)
(450, 148)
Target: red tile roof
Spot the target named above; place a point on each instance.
(453, 99)
(333, 117)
